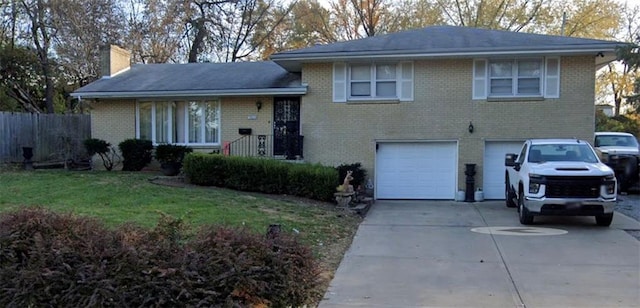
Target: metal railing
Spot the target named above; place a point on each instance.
(263, 146)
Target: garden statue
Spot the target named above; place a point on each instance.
(345, 191)
(346, 185)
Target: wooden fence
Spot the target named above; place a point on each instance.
(53, 137)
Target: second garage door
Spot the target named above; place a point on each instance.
(493, 171)
(425, 170)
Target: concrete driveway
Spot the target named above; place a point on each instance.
(425, 254)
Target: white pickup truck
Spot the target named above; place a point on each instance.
(559, 177)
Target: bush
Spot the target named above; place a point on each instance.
(262, 175)
(171, 153)
(104, 149)
(136, 154)
(205, 169)
(54, 260)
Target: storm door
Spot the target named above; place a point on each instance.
(286, 127)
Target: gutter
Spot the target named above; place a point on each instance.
(407, 54)
(192, 93)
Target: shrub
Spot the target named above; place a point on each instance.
(262, 175)
(171, 153)
(136, 154)
(205, 169)
(54, 260)
(104, 149)
(277, 272)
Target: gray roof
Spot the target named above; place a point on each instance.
(445, 41)
(196, 79)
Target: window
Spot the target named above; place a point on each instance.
(372, 81)
(515, 77)
(191, 122)
(524, 77)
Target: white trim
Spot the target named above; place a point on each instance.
(377, 142)
(137, 120)
(403, 96)
(479, 81)
(339, 82)
(552, 82)
(364, 55)
(192, 93)
(202, 133)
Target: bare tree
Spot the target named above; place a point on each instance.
(42, 32)
(82, 27)
(155, 29)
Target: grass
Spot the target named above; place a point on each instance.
(119, 197)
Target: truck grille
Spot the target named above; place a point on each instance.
(573, 187)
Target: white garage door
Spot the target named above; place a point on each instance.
(416, 170)
(493, 178)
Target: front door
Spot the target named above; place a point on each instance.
(286, 127)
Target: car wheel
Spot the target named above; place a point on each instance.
(626, 175)
(508, 195)
(525, 217)
(604, 220)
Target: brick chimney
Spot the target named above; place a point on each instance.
(114, 60)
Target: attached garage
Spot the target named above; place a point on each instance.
(493, 171)
(416, 170)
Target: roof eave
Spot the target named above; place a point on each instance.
(292, 62)
(193, 93)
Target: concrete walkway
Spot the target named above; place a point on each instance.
(424, 254)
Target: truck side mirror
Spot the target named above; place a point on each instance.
(510, 159)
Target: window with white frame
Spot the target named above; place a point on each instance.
(515, 77)
(182, 122)
(525, 77)
(372, 81)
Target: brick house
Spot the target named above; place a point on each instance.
(413, 107)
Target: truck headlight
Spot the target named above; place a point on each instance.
(535, 180)
(534, 188)
(610, 184)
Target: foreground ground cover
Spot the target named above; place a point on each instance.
(120, 197)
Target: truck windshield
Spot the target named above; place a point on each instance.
(615, 140)
(561, 152)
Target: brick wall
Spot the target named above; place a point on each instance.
(115, 121)
(338, 133)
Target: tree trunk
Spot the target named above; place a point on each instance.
(201, 32)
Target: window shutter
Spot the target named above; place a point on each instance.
(552, 78)
(405, 81)
(479, 79)
(339, 82)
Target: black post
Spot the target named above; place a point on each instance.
(470, 171)
(27, 153)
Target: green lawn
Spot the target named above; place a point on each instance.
(117, 197)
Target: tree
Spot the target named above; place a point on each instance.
(413, 14)
(42, 33)
(304, 25)
(617, 79)
(511, 15)
(229, 31)
(82, 27)
(20, 78)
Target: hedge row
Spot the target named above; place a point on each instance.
(60, 260)
(261, 175)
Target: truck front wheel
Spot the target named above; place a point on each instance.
(525, 217)
(508, 194)
(604, 220)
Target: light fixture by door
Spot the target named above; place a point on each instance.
(471, 127)
(259, 105)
